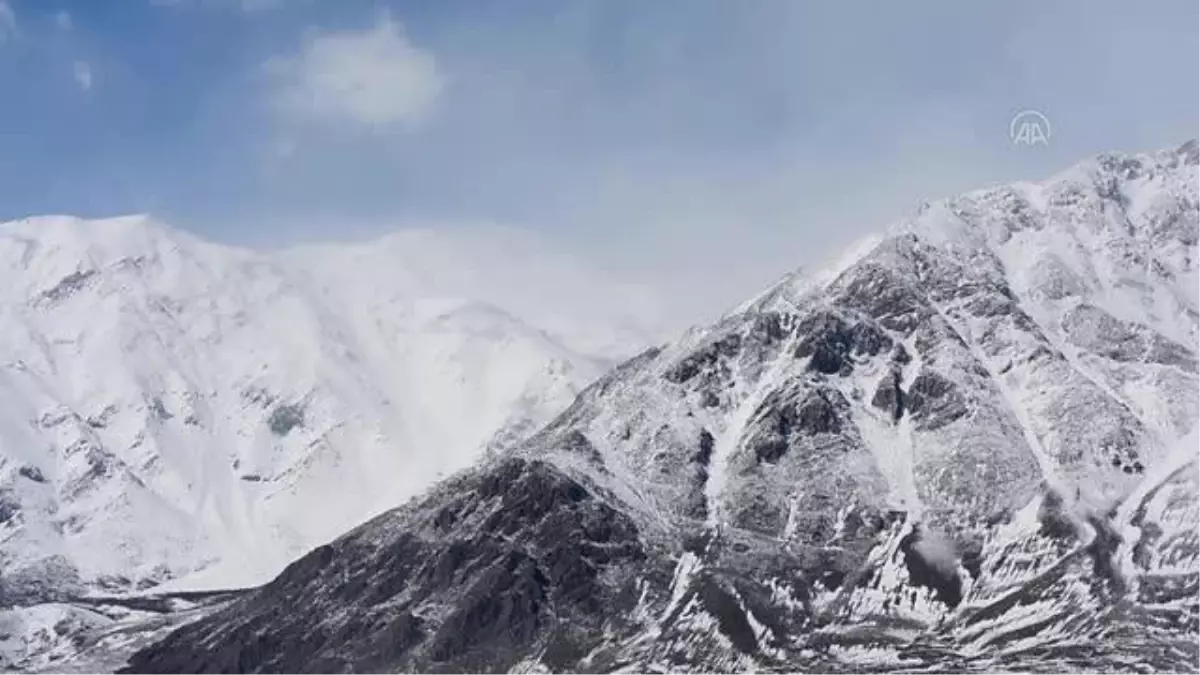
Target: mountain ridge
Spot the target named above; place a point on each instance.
(970, 446)
(175, 402)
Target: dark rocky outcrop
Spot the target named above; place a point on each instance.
(934, 401)
(931, 566)
(467, 580)
(1054, 521)
(889, 397)
(830, 341)
(883, 295)
(284, 418)
(32, 473)
(706, 359)
(782, 418)
(69, 285)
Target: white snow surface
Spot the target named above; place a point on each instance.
(142, 370)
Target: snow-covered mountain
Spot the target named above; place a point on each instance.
(177, 411)
(968, 445)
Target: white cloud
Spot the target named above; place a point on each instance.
(83, 75)
(8, 21)
(375, 78)
(62, 19)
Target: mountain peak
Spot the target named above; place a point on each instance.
(62, 228)
(893, 461)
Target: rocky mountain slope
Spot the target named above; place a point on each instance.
(176, 411)
(968, 445)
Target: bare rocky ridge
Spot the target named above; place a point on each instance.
(968, 446)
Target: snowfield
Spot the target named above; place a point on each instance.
(177, 412)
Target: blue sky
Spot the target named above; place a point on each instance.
(656, 137)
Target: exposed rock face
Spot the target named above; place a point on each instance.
(471, 578)
(969, 446)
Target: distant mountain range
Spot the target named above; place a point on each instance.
(176, 411)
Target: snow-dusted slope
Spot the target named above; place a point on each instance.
(968, 445)
(174, 409)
